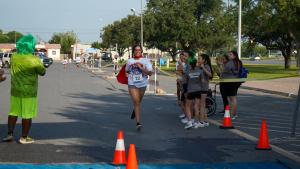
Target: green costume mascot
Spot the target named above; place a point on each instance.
(25, 68)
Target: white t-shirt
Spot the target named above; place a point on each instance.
(135, 77)
(64, 61)
(77, 59)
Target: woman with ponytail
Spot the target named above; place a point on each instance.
(138, 69)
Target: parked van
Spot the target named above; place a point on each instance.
(6, 60)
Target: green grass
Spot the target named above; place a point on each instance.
(259, 72)
(266, 72)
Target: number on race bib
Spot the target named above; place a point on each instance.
(137, 78)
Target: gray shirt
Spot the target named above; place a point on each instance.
(229, 71)
(198, 80)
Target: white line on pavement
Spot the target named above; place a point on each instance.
(254, 139)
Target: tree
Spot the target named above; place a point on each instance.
(10, 37)
(215, 26)
(271, 22)
(96, 45)
(169, 25)
(173, 25)
(122, 33)
(14, 36)
(65, 40)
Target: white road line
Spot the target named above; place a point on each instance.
(254, 139)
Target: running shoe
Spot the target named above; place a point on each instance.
(26, 140)
(138, 126)
(206, 124)
(184, 120)
(198, 124)
(182, 116)
(234, 117)
(8, 138)
(188, 125)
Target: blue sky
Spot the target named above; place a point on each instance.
(44, 17)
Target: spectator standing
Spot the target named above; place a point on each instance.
(25, 68)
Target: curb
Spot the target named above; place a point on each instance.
(291, 95)
(253, 139)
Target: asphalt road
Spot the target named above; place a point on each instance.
(80, 114)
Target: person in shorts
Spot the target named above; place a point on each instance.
(198, 83)
(229, 89)
(25, 68)
(138, 69)
(181, 82)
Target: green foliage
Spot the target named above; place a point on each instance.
(173, 25)
(272, 22)
(65, 40)
(96, 45)
(122, 33)
(168, 22)
(253, 50)
(216, 28)
(121, 62)
(258, 72)
(10, 37)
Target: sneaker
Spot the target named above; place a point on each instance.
(8, 138)
(198, 124)
(234, 117)
(184, 120)
(188, 125)
(182, 116)
(132, 115)
(206, 124)
(138, 126)
(27, 140)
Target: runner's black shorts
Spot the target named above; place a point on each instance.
(230, 89)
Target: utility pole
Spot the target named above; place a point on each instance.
(240, 29)
(142, 34)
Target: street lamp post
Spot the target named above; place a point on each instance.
(142, 25)
(142, 29)
(240, 29)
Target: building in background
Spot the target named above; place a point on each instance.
(79, 49)
(50, 50)
(7, 47)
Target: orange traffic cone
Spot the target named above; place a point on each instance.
(263, 142)
(132, 161)
(119, 157)
(227, 120)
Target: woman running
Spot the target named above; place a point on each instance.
(138, 69)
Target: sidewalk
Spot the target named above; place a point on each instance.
(284, 86)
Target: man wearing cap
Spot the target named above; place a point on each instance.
(25, 68)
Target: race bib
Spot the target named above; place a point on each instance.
(137, 78)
